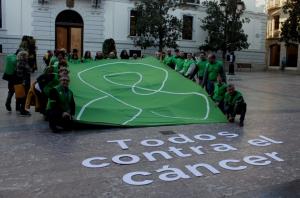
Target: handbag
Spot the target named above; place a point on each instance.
(19, 91)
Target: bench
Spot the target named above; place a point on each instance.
(244, 65)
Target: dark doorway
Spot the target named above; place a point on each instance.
(275, 55)
(291, 55)
(69, 31)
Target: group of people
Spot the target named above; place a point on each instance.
(51, 96)
(208, 72)
(49, 93)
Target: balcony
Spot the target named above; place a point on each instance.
(275, 34)
(273, 4)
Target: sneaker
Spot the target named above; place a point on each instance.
(8, 107)
(241, 124)
(25, 113)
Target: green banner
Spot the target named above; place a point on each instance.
(141, 92)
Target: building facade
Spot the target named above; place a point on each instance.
(85, 24)
(278, 54)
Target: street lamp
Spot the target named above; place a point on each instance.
(229, 14)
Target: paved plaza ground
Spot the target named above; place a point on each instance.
(38, 163)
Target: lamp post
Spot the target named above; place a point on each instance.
(231, 10)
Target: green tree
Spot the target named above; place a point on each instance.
(225, 29)
(290, 30)
(156, 27)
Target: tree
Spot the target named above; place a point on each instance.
(225, 30)
(156, 27)
(290, 30)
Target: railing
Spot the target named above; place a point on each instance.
(275, 34)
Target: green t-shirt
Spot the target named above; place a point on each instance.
(219, 91)
(201, 66)
(10, 64)
(178, 63)
(168, 60)
(187, 63)
(87, 60)
(75, 61)
(232, 100)
(213, 70)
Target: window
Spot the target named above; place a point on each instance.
(276, 22)
(187, 32)
(193, 2)
(133, 23)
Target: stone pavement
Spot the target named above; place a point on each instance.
(38, 163)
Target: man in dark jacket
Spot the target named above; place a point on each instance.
(61, 106)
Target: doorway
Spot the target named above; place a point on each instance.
(292, 55)
(69, 31)
(275, 55)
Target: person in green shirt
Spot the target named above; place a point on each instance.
(61, 106)
(178, 60)
(212, 70)
(87, 57)
(75, 57)
(54, 58)
(219, 93)
(188, 63)
(234, 104)
(201, 64)
(10, 69)
(169, 59)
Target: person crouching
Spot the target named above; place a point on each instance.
(61, 106)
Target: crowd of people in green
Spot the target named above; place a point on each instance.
(208, 72)
(51, 96)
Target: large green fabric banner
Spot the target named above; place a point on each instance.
(141, 92)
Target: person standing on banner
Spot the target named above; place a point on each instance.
(9, 75)
(213, 69)
(22, 81)
(231, 63)
(61, 106)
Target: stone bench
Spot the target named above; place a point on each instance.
(244, 65)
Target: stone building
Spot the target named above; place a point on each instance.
(85, 24)
(278, 54)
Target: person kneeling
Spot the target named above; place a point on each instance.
(234, 104)
(61, 106)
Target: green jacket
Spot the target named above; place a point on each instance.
(233, 100)
(53, 60)
(178, 63)
(187, 63)
(219, 92)
(10, 64)
(53, 83)
(201, 66)
(62, 100)
(168, 60)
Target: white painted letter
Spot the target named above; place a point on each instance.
(180, 139)
(172, 174)
(133, 159)
(224, 165)
(206, 137)
(149, 155)
(227, 134)
(271, 140)
(257, 160)
(259, 142)
(88, 162)
(178, 152)
(223, 147)
(155, 142)
(121, 143)
(273, 155)
(197, 150)
(127, 178)
(193, 169)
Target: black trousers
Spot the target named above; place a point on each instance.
(55, 119)
(239, 109)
